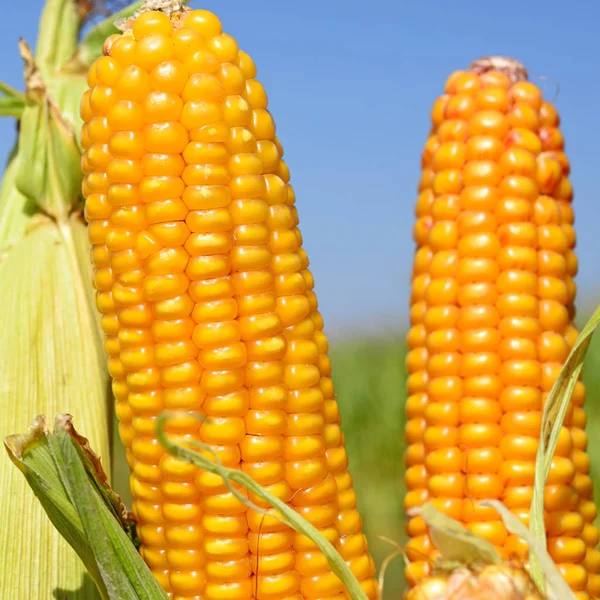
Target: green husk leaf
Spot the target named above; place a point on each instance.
(49, 158)
(64, 164)
(455, 542)
(33, 167)
(90, 48)
(66, 90)
(284, 512)
(32, 454)
(51, 353)
(554, 587)
(51, 358)
(69, 481)
(123, 570)
(553, 417)
(81, 255)
(92, 464)
(59, 31)
(15, 209)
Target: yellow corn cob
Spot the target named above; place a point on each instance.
(491, 315)
(208, 306)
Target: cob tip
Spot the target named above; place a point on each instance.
(168, 7)
(512, 68)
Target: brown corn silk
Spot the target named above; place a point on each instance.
(491, 313)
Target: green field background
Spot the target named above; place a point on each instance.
(369, 377)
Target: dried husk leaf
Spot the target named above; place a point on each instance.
(456, 543)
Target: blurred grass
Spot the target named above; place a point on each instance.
(369, 379)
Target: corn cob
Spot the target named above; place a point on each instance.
(208, 306)
(492, 311)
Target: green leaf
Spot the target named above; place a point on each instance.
(455, 542)
(553, 417)
(11, 107)
(59, 31)
(12, 103)
(555, 587)
(284, 513)
(68, 479)
(9, 90)
(90, 47)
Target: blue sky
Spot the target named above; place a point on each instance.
(351, 85)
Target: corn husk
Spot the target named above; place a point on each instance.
(51, 355)
(68, 479)
(51, 360)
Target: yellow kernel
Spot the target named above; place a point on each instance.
(169, 138)
(203, 21)
(169, 76)
(153, 49)
(162, 106)
(152, 22)
(133, 85)
(232, 78)
(122, 50)
(197, 114)
(126, 115)
(225, 47)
